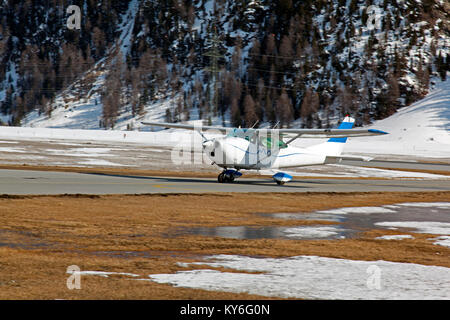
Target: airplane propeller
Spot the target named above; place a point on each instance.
(206, 142)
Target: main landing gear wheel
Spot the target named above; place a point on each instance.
(224, 178)
(280, 183)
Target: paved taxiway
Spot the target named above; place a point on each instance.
(400, 165)
(23, 182)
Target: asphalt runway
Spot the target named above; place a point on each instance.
(399, 165)
(25, 182)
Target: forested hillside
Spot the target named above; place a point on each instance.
(234, 62)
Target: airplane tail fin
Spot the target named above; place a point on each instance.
(347, 123)
(334, 146)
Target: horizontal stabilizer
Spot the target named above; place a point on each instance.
(338, 159)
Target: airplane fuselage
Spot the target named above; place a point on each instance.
(240, 153)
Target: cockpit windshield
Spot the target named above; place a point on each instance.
(240, 133)
(249, 134)
(246, 134)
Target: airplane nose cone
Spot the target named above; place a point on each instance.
(208, 144)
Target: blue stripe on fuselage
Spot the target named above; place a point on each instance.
(287, 155)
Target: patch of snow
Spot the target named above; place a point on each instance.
(395, 237)
(79, 114)
(441, 205)
(390, 206)
(367, 210)
(312, 277)
(97, 162)
(310, 232)
(126, 28)
(352, 171)
(91, 150)
(442, 241)
(432, 227)
(103, 273)
(14, 150)
(160, 138)
(82, 152)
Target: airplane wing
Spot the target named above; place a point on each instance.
(304, 133)
(223, 130)
(330, 133)
(325, 133)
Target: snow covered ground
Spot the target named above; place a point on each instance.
(147, 138)
(308, 277)
(395, 237)
(421, 226)
(312, 277)
(422, 129)
(419, 130)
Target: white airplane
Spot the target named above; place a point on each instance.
(256, 149)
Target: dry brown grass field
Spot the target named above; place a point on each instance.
(40, 236)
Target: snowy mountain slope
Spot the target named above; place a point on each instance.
(327, 48)
(71, 113)
(422, 129)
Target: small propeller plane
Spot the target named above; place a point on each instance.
(255, 149)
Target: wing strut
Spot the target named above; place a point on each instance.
(294, 138)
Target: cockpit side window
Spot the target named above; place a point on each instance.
(269, 142)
